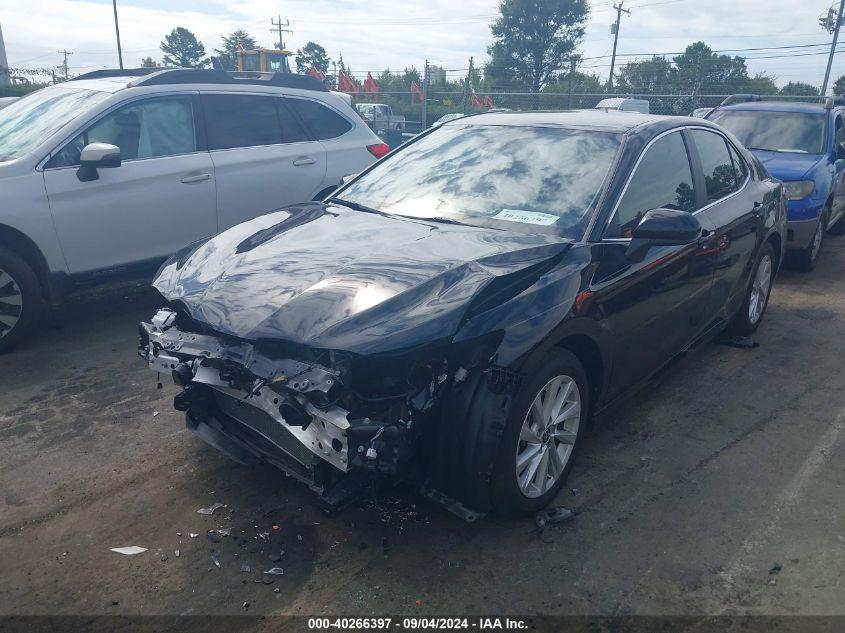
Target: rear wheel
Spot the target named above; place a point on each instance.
(20, 299)
(805, 260)
(751, 313)
(541, 436)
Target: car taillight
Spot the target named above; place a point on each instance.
(379, 149)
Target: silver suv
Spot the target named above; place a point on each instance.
(114, 171)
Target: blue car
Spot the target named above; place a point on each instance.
(802, 144)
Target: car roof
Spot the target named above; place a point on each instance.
(777, 106)
(602, 120)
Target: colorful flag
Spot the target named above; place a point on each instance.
(345, 84)
(370, 86)
(486, 102)
(416, 92)
(474, 102)
(316, 74)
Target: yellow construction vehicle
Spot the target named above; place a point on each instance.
(265, 60)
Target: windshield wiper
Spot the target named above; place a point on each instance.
(357, 206)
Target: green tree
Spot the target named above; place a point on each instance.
(182, 48)
(413, 75)
(227, 56)
(762, 84)
(149, 62)
(651, 76)
(533, 39)
(799, 89)
(699, 70)
(839, 85)
(312, 54)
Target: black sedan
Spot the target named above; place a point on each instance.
(459, 313)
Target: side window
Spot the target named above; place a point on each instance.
(716, 164)
(323, 122)
(663, 179)
(740, 167)
(147, 129)
(241, 121)
(839, 131)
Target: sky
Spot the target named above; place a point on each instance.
(378, 34)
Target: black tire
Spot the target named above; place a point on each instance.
(838, 228)
(743, 324)
(507, 497)
(18, 285)
(806, 259)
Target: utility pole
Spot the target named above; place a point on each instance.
(425, 98)
(615, 27)
(468, 87)
(832, 48)
(117, 33)
(64, 64)
(279, 27)
(573, 62)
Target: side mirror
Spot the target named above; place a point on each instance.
(662, 227)
(840, 151)
(95, 156)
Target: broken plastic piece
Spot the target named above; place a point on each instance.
(275, 571)
(131, 550)
(553, 516)
(224, 531)
(211, 509)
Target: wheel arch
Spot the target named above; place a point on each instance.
(25, 248)
(776, 241)
(588, 352)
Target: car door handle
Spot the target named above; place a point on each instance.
(198, 178)
(303, 160)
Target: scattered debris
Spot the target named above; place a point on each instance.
(211, 509)
(245, 568)
(176, 553)
(155, 413)
(276, 590)
(775, 569)
(164, 558)
(299, 537)
(178, 534)
(224, 531)
(215, 561)
(245, 606)
(194, 535)
(553, 516)
(275, 527)
(131, 550)
(275, 571)
(742, 342)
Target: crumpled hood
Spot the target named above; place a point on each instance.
(787, 165)
(334, 278)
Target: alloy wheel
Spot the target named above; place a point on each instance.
(548, 436)
(760, 288)
(11, 303)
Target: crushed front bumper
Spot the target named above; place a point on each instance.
(252, 407)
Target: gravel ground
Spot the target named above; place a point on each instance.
(729, 464)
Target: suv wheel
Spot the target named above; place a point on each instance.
(543, 432)
(806, 259)
(20, 299)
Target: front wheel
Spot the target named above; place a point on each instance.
(541, 436)
(20, 299)
(751, 313)
(806, 259)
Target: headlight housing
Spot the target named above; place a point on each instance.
(798, 189)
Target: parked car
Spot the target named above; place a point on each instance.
(380, 117)
(458, 313)
(625, 104)
(111, 173)
(802, 144)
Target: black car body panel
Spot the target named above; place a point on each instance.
(426, 328)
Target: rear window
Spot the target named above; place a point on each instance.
(249, 121)
(796, 132)
(323, 122)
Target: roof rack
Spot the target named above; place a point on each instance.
(740, 98)
(200, 76)
(116, 72)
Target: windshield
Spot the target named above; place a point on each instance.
(775, 131)
(533, 180)
(30, 120)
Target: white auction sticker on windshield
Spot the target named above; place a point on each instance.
(526, 217)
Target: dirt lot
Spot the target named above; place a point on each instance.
(730, 463)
